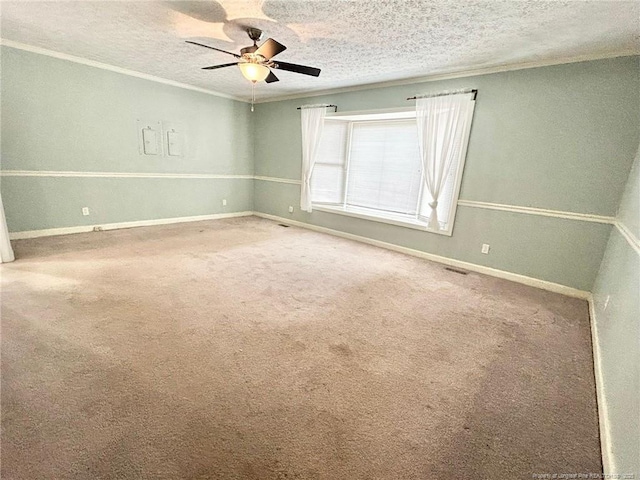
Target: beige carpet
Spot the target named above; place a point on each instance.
(239, 349)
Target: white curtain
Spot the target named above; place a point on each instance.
(441, 123)
(312, 124)
(6, 252)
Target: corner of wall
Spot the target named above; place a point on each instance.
(614, 308)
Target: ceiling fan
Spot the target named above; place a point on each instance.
(255, 62)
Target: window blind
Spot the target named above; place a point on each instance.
(384, 166)
(328, 178)
(374, 166)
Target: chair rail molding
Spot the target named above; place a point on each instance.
(52, 173)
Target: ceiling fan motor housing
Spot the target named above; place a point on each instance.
(248, 50)
(255, 34)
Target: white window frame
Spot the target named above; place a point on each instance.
(382, 217)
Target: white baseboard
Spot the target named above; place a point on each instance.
(607, 459)
(605, 443)
(608, 465)
(533, 282)
(515, 277)
(113, 226)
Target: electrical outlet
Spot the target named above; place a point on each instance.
(290, 209)
(224, 202)
(85, 211)
(485, 248)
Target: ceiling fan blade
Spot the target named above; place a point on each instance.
(213, 48)
(292, 67)
(271, 78)
(270, 49)
(213, 67)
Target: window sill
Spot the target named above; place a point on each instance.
(397, 220)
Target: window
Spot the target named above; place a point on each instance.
(368, 165)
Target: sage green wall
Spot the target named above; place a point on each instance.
(558, 138)
(64, 116)
(565, 254)
(629, 210)
(35, 203)
(618, 332)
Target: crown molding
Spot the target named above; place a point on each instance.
(113, 68)
(329, 91)
(453, 75)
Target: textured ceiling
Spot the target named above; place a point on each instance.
(354, 42)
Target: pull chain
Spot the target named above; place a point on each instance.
(253, 94)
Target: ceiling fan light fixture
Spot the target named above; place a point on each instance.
(255, 62)
(254, 72)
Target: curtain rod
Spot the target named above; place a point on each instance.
(318, 106)
(452, 92)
